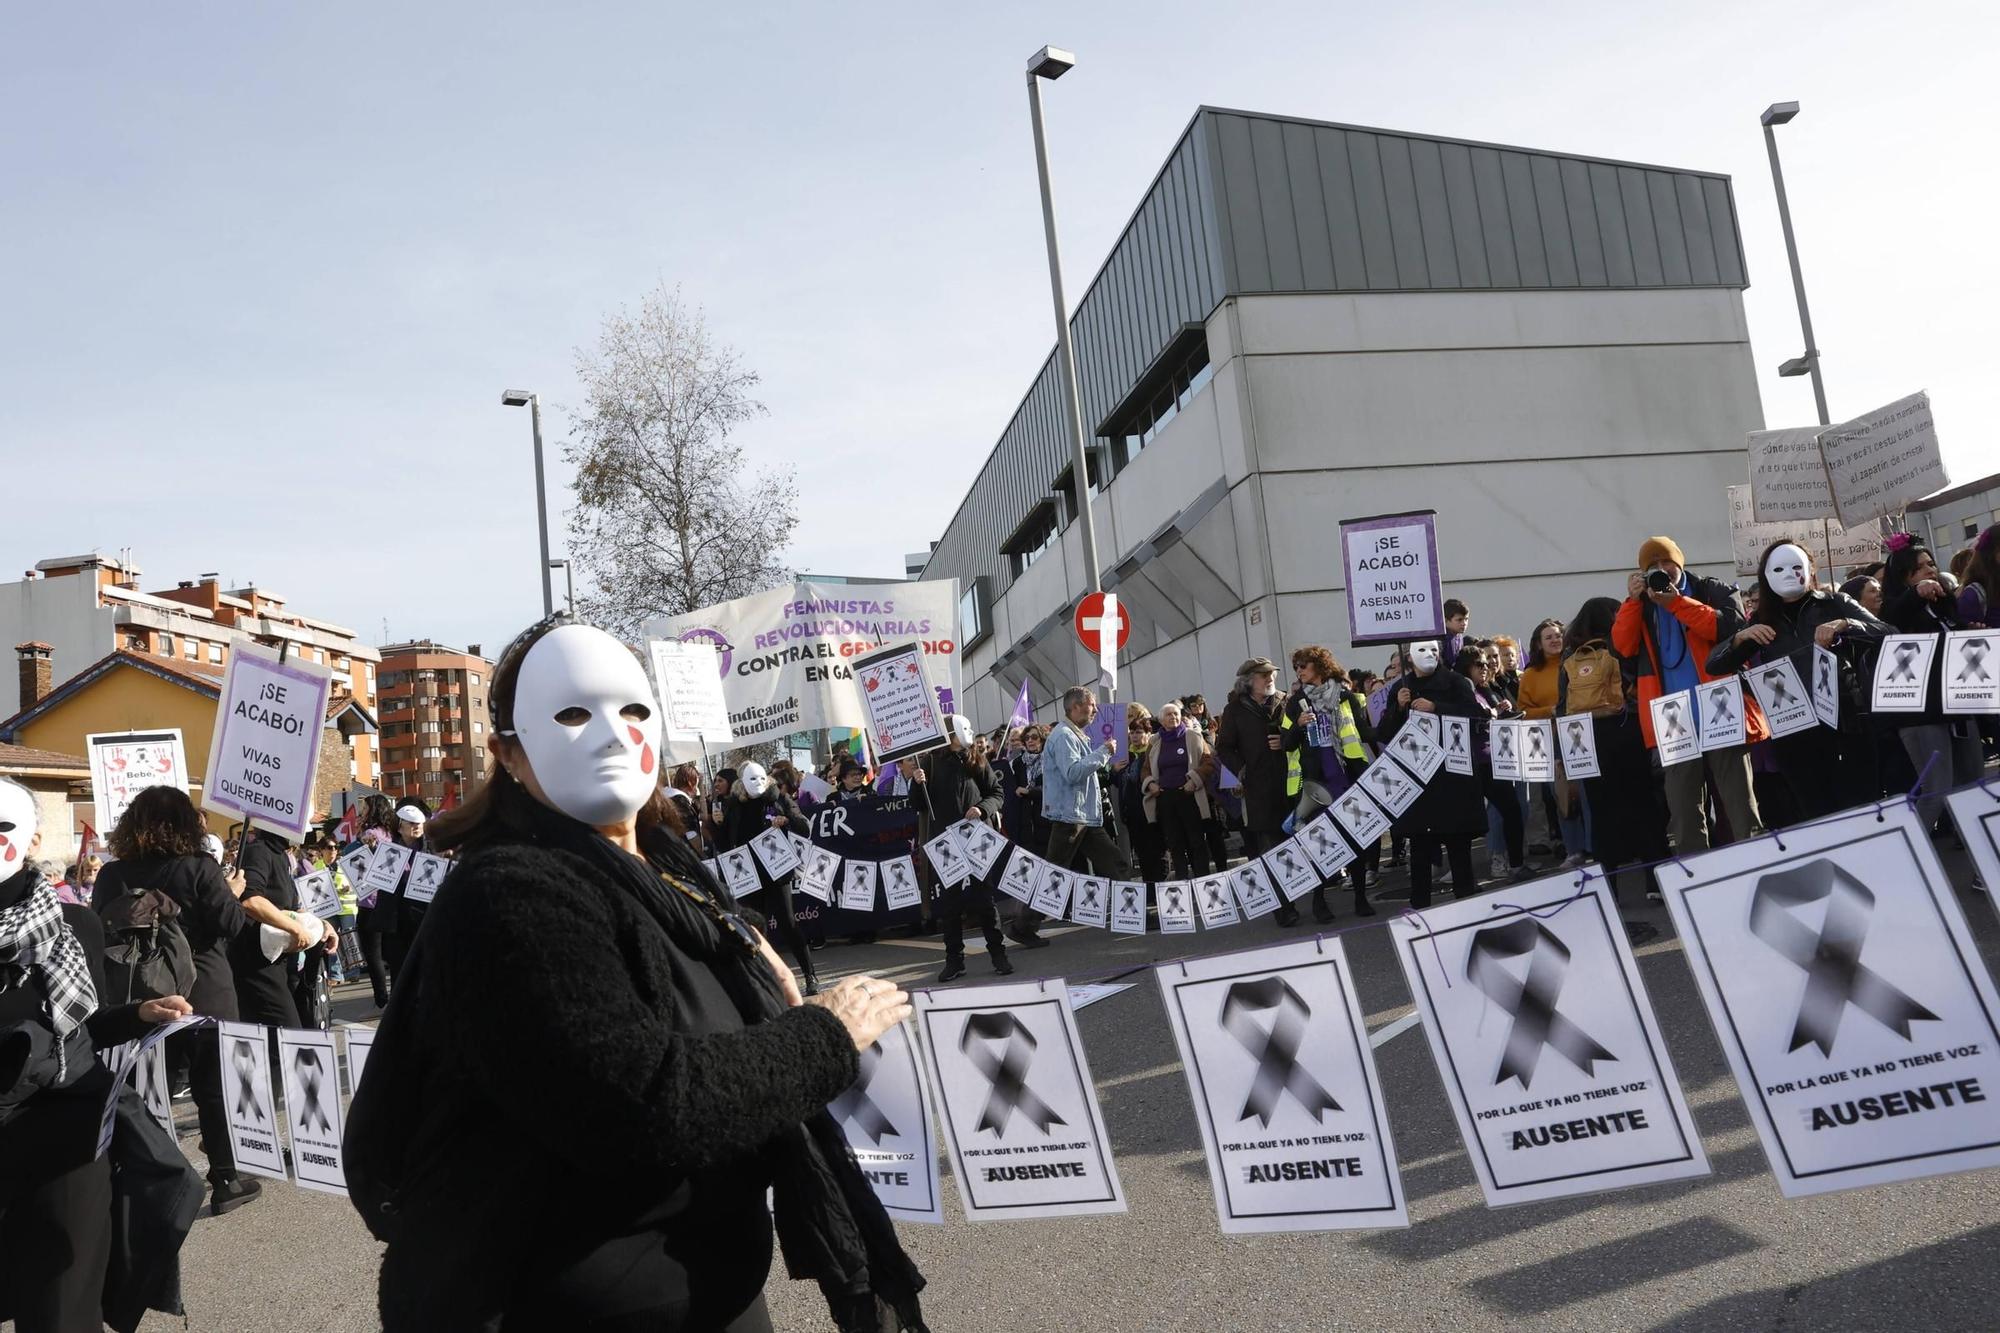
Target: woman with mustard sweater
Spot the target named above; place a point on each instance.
(1568, 813)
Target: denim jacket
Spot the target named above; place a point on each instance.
(1070, 767)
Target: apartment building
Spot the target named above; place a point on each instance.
(433, 716)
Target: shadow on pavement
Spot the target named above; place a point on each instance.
(1584, 1274)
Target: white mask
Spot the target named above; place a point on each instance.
(17, 828)
(1424, 657)
(600, 768)
(959, 727)
(1788, 571)
(753, 780)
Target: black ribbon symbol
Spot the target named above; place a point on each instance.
(1386, 783)
(1576, 738)
(1535, 745)
(244, 1057)
(1532, 1001)
(1905, 667)
(1006, 1072)
(1087, 899)
(1211, 898)
(1781, 694)
(312, 1116)
(1718, 707)
(1355, 811)
(1507, 742)
(1831, 959)
(856, 1105)
(1823, 682)
(1671, 715)
(1276, 1050)
(1173, 902)
(1128, 900)
(1972, 669)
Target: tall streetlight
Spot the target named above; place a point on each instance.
(1778, 113)
(569, 582)
(1052, 63)
(533, 402)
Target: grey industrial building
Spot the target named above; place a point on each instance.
(1304, 322)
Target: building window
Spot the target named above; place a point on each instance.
(1036, 536)
(215, 653)
(1176, 388)
(478, 727)
(1065, 491)
(1971, 529)
(974, 611)
(478, 752)
(166, 645)
(472, 677)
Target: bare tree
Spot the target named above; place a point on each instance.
(667, 519)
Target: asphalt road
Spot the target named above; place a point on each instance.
(1724, 1252)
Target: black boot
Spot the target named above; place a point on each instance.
(954, 968)
(229, 1192)
(998, 953)
(811, 984)
(1288, 915)
(1362, 907)
(1321, 912)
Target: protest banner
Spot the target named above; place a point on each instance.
(1903, 672)
(1362, 819)
(1394, 590)
(269, 721)
(1175, 899)
(868, 826)
(1386, 781)
(386, 868)
(1416, 749)
(886, 1118)
(1849, 998)
(1723, 722)
(1457, 744)
(1880, 461)
(1971, 673)
(1538, 751)
(902, 709)
(1128, 907)
(312, 1108)
(1783, 697)
(1832, 547)
(1215, 901)
(1091, 904)
(248, 1101)
(946, 853)
(687, 677)
(1579, 748)
(1788, 482)
(1976, 811)
(317, 894)
(1329, 851)
(1251, 883)
(785, 655)
(776, 852)
(125, 763)
(1019, 1108)
(1548, 1047)
(427, 872)
(1504, 750)
(1674, 735)
(1296, 873)
(1285, 1090)
(360, 1042)
(1826, 687)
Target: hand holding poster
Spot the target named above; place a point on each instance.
(1971, 672)
(268, 725)
(886, 1117)
(1554, 1067)
(1394, 589)
(901, 707)
(1020, 1111)
(1285, 1090)
(1850, 1000)
(125, 763)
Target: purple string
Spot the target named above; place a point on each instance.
(1776, 835)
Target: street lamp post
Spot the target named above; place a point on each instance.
(1778, 113)
(533, 402)
(1052, 63)
(569, 583)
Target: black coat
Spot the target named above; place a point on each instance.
(1796, 623)
(1452, 804)
(210, 917)
(1910, 613)
(264, 985)
(950, 788)
(745, 817)
(567, 1093)
(1242, 741)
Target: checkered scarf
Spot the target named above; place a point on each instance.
(34, 941)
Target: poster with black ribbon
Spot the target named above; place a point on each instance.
(1849, 998)
(1285, 1090)
(312, 1108)
(1020, 1111)
(360, 1043)
(1976, 811)
(248, 1101)
(1547, 1044)
(886, 1116)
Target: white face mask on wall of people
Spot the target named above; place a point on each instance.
(584, 715)
(1424, 657)
(18, 818)
(1788, 571)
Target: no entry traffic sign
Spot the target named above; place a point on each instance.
(1090, 624)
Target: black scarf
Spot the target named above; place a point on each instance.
(831, 1227)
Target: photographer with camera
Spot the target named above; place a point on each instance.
(1670, 622)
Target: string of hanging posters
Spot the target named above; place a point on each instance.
(1833, 959)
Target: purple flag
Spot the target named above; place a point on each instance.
(1024, 712)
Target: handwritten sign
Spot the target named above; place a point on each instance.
(125, 763)
(268, 728)
(688, 679)
(1832, 547)
(1882, 460)
(1394, 590)
(902, 708)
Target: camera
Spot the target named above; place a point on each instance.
(1657, 580)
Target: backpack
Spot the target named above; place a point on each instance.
(1593, 682)
(146, 953)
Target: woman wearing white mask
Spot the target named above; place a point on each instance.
(583, 956)
(1827, 770)
(1452, 811)
(755, 804)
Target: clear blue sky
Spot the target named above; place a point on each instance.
(267, 267)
